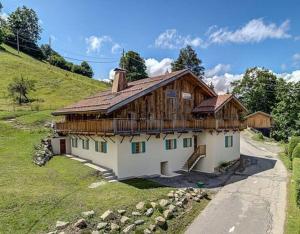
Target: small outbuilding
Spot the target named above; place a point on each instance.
(261, 121)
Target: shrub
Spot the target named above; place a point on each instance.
(296, 151)
(298, 192)
(293, 143)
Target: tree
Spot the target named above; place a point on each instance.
(286, 112)
(1, 26)
(87, 69)
(135, 66)
(257, 89)
(58, 61)
(188, 59)
(19, 89)
(24, 23)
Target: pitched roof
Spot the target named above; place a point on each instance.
(212, 105)
(107, 101)
(259, 112)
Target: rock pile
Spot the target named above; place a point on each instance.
(146, 216)
(43, 152)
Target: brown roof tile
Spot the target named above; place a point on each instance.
(212, 104)
(105, 100)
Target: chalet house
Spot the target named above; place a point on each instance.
(153, 126)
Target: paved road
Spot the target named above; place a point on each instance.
(253, 201)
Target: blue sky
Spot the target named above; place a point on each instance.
(229, 36)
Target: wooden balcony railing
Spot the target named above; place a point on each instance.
(115, 126)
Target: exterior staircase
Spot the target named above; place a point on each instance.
(199, 153)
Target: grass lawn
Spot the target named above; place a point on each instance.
(33, 198)
(292, 225)
(54, 87)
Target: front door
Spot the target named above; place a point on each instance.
(195, 142)
(62, 146)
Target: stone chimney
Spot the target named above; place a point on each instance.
(120, 82)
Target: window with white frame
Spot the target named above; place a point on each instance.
(170, 144)
(187, 142)
(85, 144)
(138, 147)
(228, 141)
(101, 146)
(74, 142)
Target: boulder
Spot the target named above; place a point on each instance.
(149, 212)
(124, 219)
(108, 215)
(160, 221)
(184, 200)
(61, 225)
(140, 206)
(135, 213)
(168, 214)
(172, 208)
(101, 225)
(164, 202)
(147, 231)
(153, 204)
(88, 214)
(114, 227)
(188, 195)
(81, 223)
(129, 228)
(179, 204)
(139, 222)
(196, 199)
(121, 212)
(54, 232)
(152, 227)
(95, 232)
(171, 194)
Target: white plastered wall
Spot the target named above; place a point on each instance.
(216, 152)
(108, 159)
(148, 163)
(55, 143)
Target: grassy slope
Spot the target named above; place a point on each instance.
(55, 86)
(33, 198)
(292, 225)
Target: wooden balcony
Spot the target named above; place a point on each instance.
(127, 126)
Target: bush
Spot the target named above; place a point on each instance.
(293, 143)
(296, 151)
(298, 192)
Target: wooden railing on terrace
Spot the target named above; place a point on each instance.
(144, 125)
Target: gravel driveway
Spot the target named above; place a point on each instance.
(253, 201)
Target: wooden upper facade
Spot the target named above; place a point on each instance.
(259, 119)
(176, 101)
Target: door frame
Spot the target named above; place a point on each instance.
(195, 142)
(62, 146)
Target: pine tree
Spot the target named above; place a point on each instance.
(188, 59)
(135, 66)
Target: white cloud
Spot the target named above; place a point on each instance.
(115, 48)
(171, 39)
(217, 70)
(3, 15)
(222, 82)
(296, 60)
(291, 77)
(95, 43)
(155, 67)
(255, 30)
(111, 74)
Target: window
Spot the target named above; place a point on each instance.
(228, 141)
(187, 142)
(85, 144)
(138, 147)
(101, 146)
(74, 142)
(171, 144)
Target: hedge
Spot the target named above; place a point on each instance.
(296, 177)
(296, 152)
(293, 143)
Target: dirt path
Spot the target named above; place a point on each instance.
(254, 200)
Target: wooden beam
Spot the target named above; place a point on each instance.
(122, 139)
(149, 137)
(179, 135)
(165, 136)
(111, 139)
(131, 138)
(103, 139)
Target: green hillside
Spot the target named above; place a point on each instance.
(54, 88)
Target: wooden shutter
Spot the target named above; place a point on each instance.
(143, 146)
(175, 143)
(97, 146)
(226, 141)
(133, 147)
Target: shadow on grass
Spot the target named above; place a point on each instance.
(143, 183)
(3, 50)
